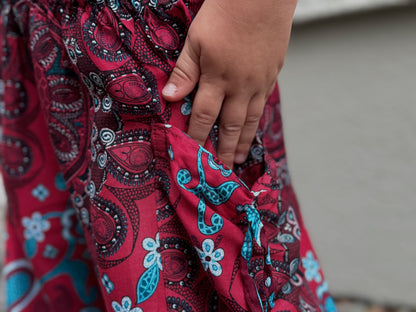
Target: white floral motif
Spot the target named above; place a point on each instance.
(35, 226)
(153, 255)
(125, 306)
(210, 257)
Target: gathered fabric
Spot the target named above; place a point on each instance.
(111, 206)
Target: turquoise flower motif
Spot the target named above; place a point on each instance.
(152, 245)
(35, 226)
(311, 267)
(108, 285)
(40, 192)
(210, 257)
(125, 306)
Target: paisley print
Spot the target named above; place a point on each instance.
(109, 227)
(129, 89)
(111, 206)
(66, 95)
(44, 48)
(105, 38)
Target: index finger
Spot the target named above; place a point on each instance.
(205, 110)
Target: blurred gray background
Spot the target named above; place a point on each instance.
(349, 104)
(349, 107)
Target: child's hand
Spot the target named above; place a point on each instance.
(234, 51)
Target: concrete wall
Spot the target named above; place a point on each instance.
(349, 105)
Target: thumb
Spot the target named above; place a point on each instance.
(184, 76)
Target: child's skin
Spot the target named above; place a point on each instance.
(234, 51)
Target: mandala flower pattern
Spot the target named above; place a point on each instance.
(35, 227)
(210, 257)
(153, 255)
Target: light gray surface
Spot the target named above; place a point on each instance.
(314, 9)
(349, 105)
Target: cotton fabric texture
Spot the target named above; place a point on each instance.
(111, 206)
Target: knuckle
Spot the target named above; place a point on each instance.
(181, 73)
(204, 117)
(231, 128)
(252, 120)
(250, 79)
(253, 81)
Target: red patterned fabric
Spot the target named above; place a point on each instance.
(111, 206)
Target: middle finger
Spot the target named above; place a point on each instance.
(232, 118)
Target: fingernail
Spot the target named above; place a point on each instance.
(240, 158)
(169, 90)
